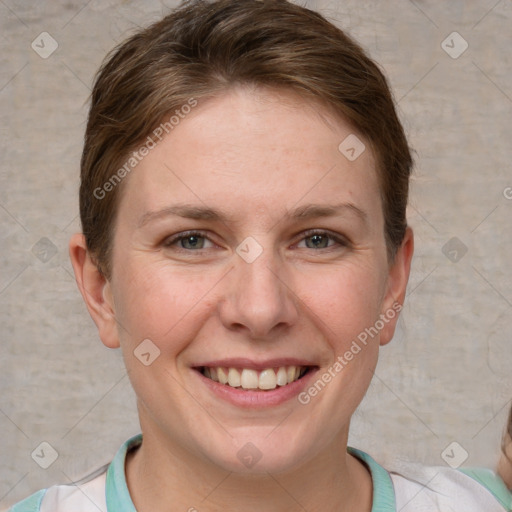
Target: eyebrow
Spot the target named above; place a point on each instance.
(185, 211)
(307, 211)
(321, 210)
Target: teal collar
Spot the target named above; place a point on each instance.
(118, 497)
(383, 490)
(116, 489)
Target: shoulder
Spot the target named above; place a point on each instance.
(30, 504)
(87, 495)
(409, 487)
(419, 488)
(90, 494)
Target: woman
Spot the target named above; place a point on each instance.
(243, 195)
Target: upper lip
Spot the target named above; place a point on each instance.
(241, 362)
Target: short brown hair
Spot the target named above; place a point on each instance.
(203, 48)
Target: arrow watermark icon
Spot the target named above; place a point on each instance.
(249, 250)
(352, 147)
(249, 455)
(454, 45)
(44, 455)
(454, 455)
(44, 45)
(146, 352)
(454, 249)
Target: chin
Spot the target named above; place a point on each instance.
(261, 454)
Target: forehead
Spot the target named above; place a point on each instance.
(252, 150)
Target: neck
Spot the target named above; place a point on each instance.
(160, 476)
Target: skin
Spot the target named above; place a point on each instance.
(270, 152)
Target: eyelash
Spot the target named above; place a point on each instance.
(341, 241)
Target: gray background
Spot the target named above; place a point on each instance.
(444, 378)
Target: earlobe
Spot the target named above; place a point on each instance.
(95, 289)
(397, 285)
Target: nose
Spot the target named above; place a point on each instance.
(259, 298)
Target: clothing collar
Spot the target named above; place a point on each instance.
(116, 489)
(383, 490)
(118, 497)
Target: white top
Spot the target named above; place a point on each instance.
(419, 489)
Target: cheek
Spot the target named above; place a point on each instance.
(162, 304)
(344, 301)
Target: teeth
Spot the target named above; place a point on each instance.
(251, 379)
(222, 374)
(268, 379)
(233, 378)
(282, 377)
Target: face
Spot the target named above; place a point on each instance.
(248, 248)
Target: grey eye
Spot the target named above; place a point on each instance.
(192, 242)
(317, 241)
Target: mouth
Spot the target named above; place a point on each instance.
(249, 379)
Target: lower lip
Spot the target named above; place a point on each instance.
(254, 398)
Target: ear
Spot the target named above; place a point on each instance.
(95, 289)
(396, 287)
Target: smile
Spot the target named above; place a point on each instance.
(249, 379)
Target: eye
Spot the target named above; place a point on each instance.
(316, 239)
(191, 241)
